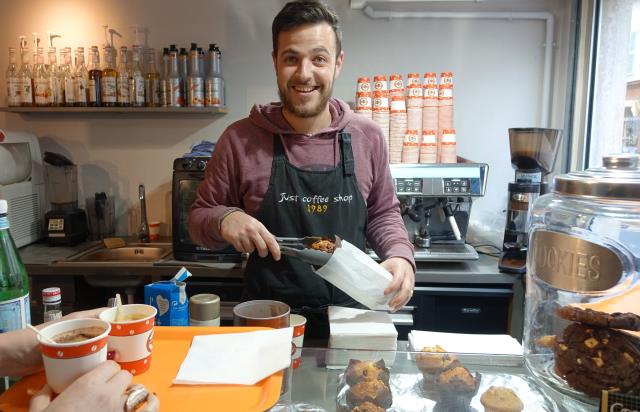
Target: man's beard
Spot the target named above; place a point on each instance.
(301, 110)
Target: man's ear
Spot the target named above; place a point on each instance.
(274, 57)
(339, 61)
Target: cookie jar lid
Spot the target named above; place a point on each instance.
(618, 178)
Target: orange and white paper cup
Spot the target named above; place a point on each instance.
(80, 345)
(131, 336)
(298, 323)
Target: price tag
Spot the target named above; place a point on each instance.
(619, 402)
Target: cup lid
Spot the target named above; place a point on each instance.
(618, 178)
(204, 306)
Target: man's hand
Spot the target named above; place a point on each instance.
(402, 283)
(101, 389)
(247, 234)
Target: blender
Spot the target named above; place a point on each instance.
(65, 223)
(533, 154)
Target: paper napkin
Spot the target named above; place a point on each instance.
(236, 358)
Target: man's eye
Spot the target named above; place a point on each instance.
(290, 59)
(320, 59)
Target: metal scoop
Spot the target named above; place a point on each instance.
(301, 249)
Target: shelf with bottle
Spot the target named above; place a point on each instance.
(117, 110)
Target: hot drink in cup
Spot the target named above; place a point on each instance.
(131, 336)
(76, 347)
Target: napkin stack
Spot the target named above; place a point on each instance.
(361, 329)
(507, 348)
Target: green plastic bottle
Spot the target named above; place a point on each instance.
(14, 281)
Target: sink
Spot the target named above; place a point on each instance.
(131, 253)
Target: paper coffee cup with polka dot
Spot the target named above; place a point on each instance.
(76, 347)
(131, 336)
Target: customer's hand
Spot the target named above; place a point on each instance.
(101, 389)
(403, 281)
(247, 234)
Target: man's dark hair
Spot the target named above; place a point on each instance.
(300, 12)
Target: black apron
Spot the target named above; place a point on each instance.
(302, 203)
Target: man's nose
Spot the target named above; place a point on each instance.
(305, 69)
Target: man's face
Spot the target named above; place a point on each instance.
(306, 66)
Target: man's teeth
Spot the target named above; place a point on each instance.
(303, 89)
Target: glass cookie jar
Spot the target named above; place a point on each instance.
(584, 248)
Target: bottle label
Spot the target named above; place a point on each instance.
(152, 91)
(42, 91)
(69, 90)
(123, 88)
(13, 92)
(136, 88)
(93, 95)
(4, 223)
(81, 89)
(175, 93)
(26, 93)
(58, 90)
(109, 91)
(196, 92)
(54, 314)
(214, 92)
(14, 314)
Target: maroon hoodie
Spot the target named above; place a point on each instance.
(237, 177)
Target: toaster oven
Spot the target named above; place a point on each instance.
(188, 172)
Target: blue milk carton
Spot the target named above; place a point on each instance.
(170, 298)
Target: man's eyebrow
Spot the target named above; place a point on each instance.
(320, 49)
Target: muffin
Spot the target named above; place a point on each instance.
(501, 399)
(456, 386)
(366, 370)
(368, 407)
(434, 359)
(374, 391)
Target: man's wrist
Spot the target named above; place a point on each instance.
(225, 215)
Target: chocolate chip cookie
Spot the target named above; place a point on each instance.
(591, 359)
(626, 321)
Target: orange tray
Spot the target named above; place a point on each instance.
(170, 347)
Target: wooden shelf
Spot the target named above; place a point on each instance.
(118, 110)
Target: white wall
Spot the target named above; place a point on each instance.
(497, 67)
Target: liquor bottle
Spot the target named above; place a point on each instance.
(151, 80)
(81, 79)
(41, 81)
(174, 82)
(196, 84)
(52, 302)
(122, 83)
(13, 81)
(214, 83)
(136, 79)
(164, 79)
(108, 79)
(95, 74)
(67, 75)
(25, 79)
(14, 282)
(56, 80)
(184, 74)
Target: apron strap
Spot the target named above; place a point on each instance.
(346, 153)
(279, 158)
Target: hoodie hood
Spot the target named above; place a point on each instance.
(269, 117)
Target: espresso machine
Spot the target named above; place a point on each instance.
(533, 154)
(435, 201)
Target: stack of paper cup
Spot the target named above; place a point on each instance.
(429, 147)
(363, 97)
(414, 108)
(398, 128)
(413, 78)
(445, 107)
(448, 146)
(411, 147)
(396, 85)
(381, 105)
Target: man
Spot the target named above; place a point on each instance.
(307, 166)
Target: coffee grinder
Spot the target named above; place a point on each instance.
(533, 154)
(65, 223)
